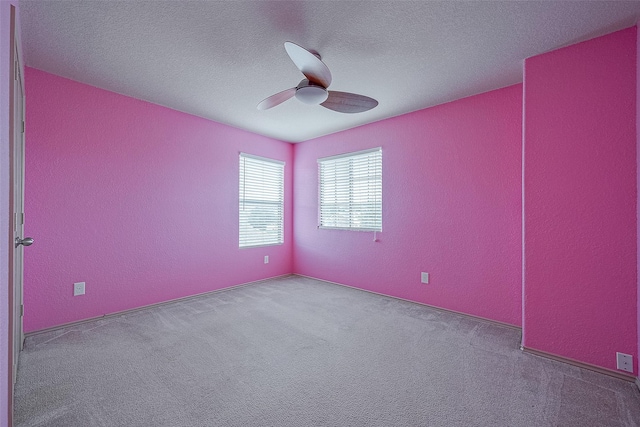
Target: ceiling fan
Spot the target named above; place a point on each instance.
(313, 89)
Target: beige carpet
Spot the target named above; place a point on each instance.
(300, 352)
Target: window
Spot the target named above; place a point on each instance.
(261, 201)
(351, 191)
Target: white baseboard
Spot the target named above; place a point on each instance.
(605, 371)
(142, 307)
(497, 322)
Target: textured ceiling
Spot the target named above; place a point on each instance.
(218, 59)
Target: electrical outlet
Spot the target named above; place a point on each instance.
(78, 289)
(424, 277)
(266, 259)
(624, 362)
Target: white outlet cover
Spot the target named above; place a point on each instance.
(424, 277)
(266, 259)
(78, 289)
(624, 362)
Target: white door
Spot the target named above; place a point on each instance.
(18, 206)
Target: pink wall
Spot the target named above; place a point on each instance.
(638, 179)
(580, 190)
(452, 207)
(137, 200)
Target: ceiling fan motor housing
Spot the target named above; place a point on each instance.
(311, 93)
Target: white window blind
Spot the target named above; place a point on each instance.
(351, 191)
(261, 201)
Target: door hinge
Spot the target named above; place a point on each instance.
(23, 126)
(21, 310)
(22, 218)
(15, 70)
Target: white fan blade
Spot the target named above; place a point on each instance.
(276, 99)
(345, 102)
(310, 65)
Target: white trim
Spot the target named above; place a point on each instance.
(260, 246)
(261, 201)
(354, 153)
(264, 159)
(459, 313)
(583, 365)
(156, 304)
(350, 191)
(324, 227)
(523, 296)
